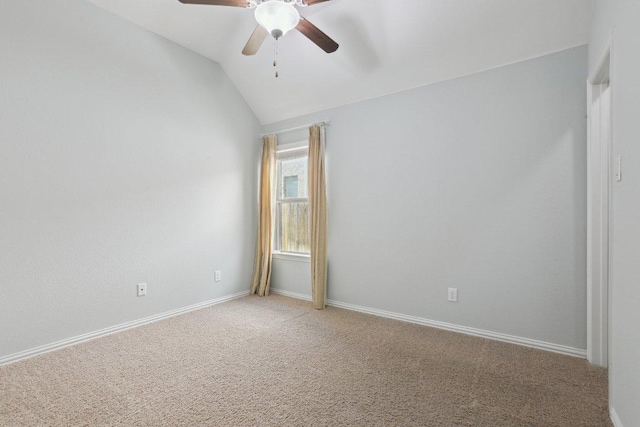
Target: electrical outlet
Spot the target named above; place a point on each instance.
(453, 295)
(142, 289)
(217, 276)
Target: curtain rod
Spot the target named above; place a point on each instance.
(325, 123)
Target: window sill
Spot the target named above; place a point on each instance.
(292, 257)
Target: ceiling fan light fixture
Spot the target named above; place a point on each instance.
(277, 17)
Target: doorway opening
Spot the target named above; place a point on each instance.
(599, 206)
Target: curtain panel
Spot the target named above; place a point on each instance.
(264, 240)
(318, 217)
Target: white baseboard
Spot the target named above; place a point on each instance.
(295, 295)
(113, 329)
(615, 419)
(527, 342)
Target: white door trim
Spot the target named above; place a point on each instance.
(599, 155)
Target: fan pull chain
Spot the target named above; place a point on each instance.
(275, 55)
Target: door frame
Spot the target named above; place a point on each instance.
(599, 206)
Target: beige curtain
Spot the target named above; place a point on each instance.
(318, 217)
(264, 244)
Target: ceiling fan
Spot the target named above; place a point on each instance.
(276, 17)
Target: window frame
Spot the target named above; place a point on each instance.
(277, 252)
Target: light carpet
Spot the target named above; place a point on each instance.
(276, 361)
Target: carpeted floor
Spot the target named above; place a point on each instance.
(277, 362)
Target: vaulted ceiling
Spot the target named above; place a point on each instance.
(386, 46)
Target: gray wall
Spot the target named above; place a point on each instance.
(124, 159)
(477, 183)
(623, 17)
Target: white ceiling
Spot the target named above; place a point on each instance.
(386, 46)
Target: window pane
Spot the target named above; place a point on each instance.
(292, 176)
(294, 227)
(291, 186)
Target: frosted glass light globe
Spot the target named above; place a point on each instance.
(277, 17)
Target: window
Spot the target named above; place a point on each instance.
(292, 202)
(291, 186)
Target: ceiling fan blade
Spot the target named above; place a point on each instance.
(236, 3)
(255, 41)
(314, 34)
(312, 2)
